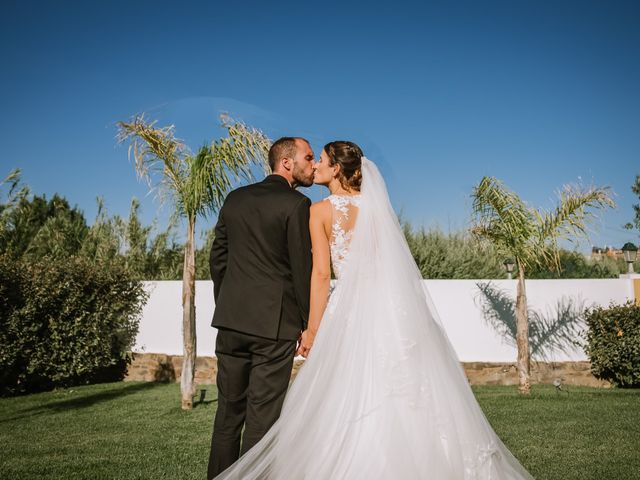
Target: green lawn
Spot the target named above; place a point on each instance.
(137, 431)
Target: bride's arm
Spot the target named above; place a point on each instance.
(319, 227)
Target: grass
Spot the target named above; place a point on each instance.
(137, 431)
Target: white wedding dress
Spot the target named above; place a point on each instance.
(382, 394)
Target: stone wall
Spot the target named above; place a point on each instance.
(569, 373)
(156, 367)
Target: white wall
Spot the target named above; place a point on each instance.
(457, 301)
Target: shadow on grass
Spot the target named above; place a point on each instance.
(200, 398)
(83, 401)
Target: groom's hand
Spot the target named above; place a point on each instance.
(306, 342)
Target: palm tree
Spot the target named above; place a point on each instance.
(197, 185)
(531, 237)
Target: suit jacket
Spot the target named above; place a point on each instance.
(261, 261)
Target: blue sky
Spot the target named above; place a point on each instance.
(538, 94)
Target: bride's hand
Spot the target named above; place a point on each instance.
(306, 342)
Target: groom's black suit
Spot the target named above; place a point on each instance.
(261, 268)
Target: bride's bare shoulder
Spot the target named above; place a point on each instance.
(321, 208)
(321, 211)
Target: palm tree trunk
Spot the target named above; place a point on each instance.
(522, 334)
(187, 386)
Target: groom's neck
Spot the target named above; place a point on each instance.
(291, 182)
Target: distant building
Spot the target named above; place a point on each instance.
(597, 253)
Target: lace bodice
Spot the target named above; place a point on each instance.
(343, 218)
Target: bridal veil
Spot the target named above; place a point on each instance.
(382, 394)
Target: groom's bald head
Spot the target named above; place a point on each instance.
(284, 147)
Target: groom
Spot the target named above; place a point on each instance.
(261, 268)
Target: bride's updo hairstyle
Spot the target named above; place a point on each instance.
(349, 156)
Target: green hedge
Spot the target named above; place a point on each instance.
(613, 343)
(65, 322)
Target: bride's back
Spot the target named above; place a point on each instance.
(344, 213)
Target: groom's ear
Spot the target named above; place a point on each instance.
(287, 163)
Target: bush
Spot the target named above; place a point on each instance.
(613, 343)
(65, 322)
(440, 255)
(576, 265)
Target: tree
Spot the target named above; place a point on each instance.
(197, 185)
(16, 192)
(574, 264)
(164, 257)
(452, 255)
(104, 241)
(35, 227)
(531, 237)
(203, 271)
(635, 188)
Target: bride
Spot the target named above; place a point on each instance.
(381, 394)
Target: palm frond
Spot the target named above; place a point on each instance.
(197, 182)
(574, 211)
(158, 155)
(251, 142)
(501, 217)
(228, 161)
(217, 168)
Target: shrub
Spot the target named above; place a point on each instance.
(65, 322)
(454, 255)
(576, 265)
(613, 343)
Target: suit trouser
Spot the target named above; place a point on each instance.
(253, 377)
